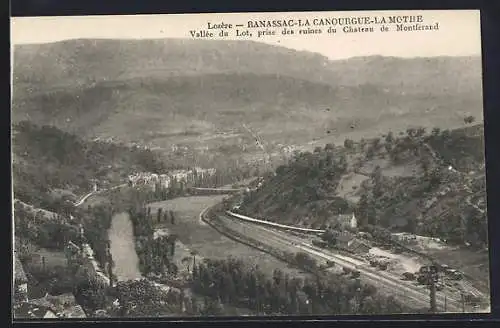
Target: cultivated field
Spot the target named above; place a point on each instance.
(196, 235)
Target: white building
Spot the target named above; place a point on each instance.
(347, 221)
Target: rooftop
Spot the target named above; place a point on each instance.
(28, 310)
(64, 305)
(359, 246)
(344, 237)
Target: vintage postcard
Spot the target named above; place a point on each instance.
(248, 164)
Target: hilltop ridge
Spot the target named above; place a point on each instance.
(168, 92)
(431, 182)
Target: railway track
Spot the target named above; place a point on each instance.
(402, 289)
(449, 299)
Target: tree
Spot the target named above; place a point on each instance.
(410, 132)
(389, 138)
(158, 214)
(329, 147)
(277, 276)
(348, 143)
(193, 254)
(90, 294)
(388, 147)
(365, 210)
(469, 119)
(411, 225)
(436, 132)
(377, 179)
(172, 239)
(420, 132)
(211, 307)
(142, 298)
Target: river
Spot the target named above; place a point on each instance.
(121, 237)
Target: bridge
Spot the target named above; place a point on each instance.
(215, 191)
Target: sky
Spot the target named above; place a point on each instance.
(458, 34)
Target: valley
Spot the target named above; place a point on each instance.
(138, 159)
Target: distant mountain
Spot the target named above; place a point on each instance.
(85, 61)
(183, 91)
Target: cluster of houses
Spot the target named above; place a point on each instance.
(343, 232)
(49, 306)
(167, 180)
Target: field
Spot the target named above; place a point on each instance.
(196, 235)
(349, 186)
(52, 258)
(42, 260)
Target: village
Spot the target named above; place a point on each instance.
(154, 180)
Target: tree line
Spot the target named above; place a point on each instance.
(155, 254)
(48, 232)
(232, 282)
(306, 186)
(385, 198)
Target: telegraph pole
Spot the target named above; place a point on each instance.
(433, 296)
(432, 278)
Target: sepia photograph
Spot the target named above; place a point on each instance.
(248, 164)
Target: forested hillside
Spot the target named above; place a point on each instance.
(49, 164)
(429, 183)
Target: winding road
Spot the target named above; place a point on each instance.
(85, 197)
